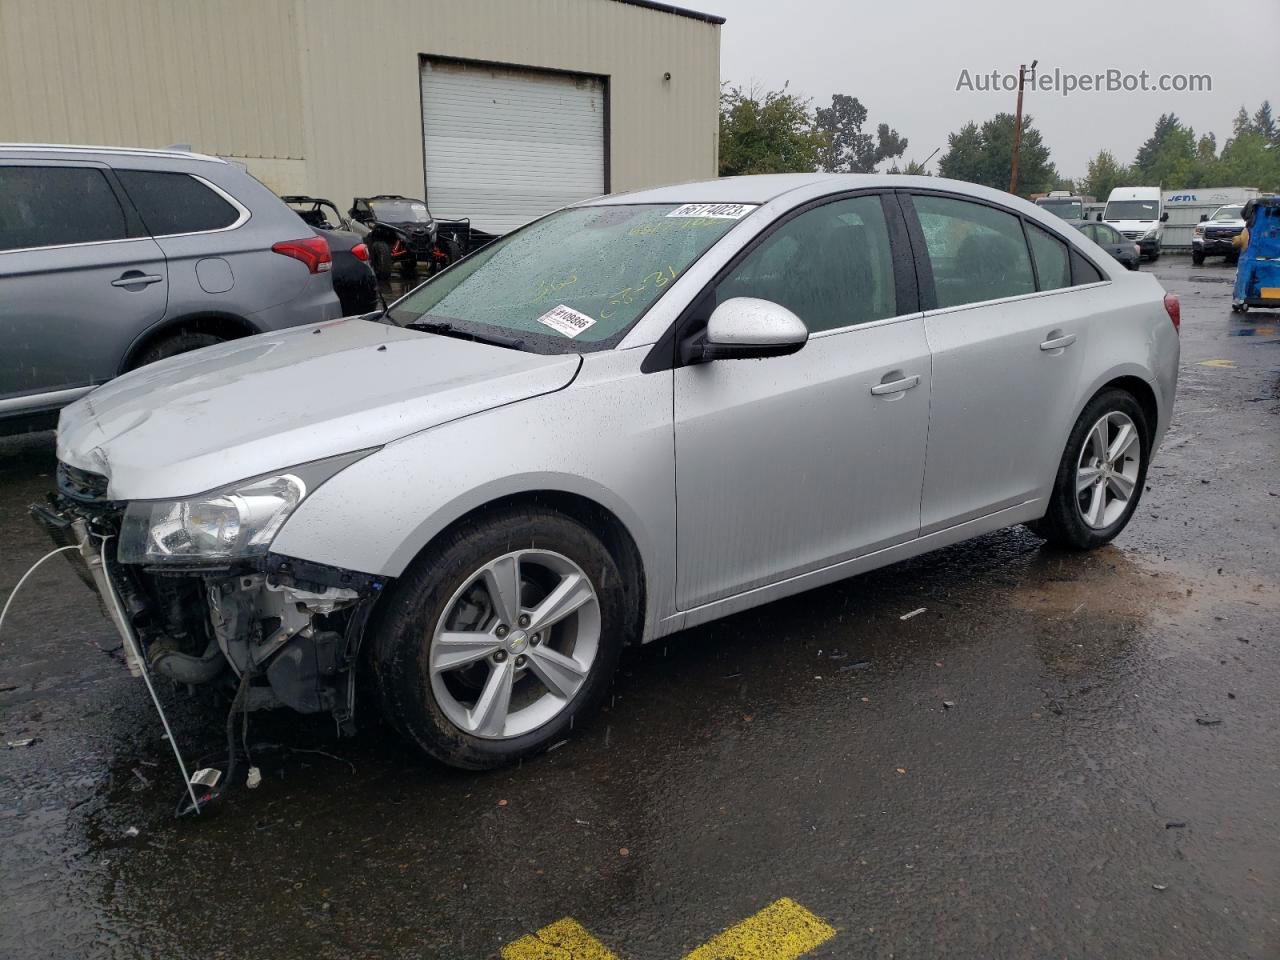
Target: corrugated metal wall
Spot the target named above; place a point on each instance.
(323, 96)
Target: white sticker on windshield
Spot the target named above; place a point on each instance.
(566, 320)
(713, 211)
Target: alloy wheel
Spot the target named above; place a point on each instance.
(1107, 470)
(515, 644)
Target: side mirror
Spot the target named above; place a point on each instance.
(1164, 216)
(1098, 217)
(749, 328)
(1204, 217)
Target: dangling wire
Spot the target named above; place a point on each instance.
(8, 603)
(146, 675)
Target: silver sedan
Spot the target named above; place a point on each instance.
(634, 415)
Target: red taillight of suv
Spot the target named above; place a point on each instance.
(361, 252)
(1173, 307)
(313, 251)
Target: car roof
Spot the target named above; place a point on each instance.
(80, 150)
(763, 188)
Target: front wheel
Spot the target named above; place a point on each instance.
(500, 636)
(380, 260)
(1197, 257)
(1101, 476)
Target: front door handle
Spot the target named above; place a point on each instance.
(136, 278)
(896, 386)
(1058, 343)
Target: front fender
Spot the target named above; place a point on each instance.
(606, 438)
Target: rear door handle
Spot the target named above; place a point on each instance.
(1057, 343)
(896, 386)
(136, 278)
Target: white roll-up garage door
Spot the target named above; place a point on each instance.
(504, 146)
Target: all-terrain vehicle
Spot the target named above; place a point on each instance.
(402, 231)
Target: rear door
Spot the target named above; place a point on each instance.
(79, 279)
(789, 464)
(1006, 331)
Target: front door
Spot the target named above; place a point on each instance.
(788, 464)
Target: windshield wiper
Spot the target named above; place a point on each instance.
(448, 330)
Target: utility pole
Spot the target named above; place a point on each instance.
(1023, 70)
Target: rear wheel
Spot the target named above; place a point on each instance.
(183, 341)
(499, 637)
(1101, 475)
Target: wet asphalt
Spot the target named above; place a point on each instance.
(1065, 755)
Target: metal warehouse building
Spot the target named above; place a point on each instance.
(498, 109)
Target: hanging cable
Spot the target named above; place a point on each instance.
(8, 603)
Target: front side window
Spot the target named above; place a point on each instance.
(977, 252)
(52, 206)
(171, 203)
(1052, 263)
(831, 266)
(575, 280)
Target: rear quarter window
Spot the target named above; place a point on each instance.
(172, 203)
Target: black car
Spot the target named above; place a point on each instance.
(1111, 240)
(353, 279)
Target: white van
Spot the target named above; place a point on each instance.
(1139, 214)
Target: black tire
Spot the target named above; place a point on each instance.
(1197, 257)
(1063, 525)
(409, 270)
(404, 624)
(380, 259)
(1155, 254)
(182, 342)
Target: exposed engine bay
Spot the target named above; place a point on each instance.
(286, 631)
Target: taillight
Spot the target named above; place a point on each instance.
(313, 251)
(1173, 307)
(361, 252)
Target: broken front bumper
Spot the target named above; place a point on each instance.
(292, 628)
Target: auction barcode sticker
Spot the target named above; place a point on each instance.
(566, 320)
(713, 211)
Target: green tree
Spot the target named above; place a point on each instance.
(1265, 125)
(985, 155)
(770, 132)
(1168, 155)
(1105, 174)
(1249, 160)
(848, 149)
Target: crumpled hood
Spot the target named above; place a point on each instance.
(202, 420)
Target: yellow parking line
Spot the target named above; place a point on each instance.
(563, 940)
(783, 930)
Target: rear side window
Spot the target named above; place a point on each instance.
(1052, 264)
(176, 203)
(832, 266)
(51, 206)
(977, 252)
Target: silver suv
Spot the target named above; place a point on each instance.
(113, 258)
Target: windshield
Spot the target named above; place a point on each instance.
(1231, 212)
(400, 211)
(1132, 210)
(575, 280)
(1066, 209)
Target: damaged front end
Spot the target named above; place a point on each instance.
(279, 631)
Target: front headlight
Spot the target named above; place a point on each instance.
(1198, 231)
(230, 523)
(1149, 235)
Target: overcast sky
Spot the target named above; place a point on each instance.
(903, 61)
